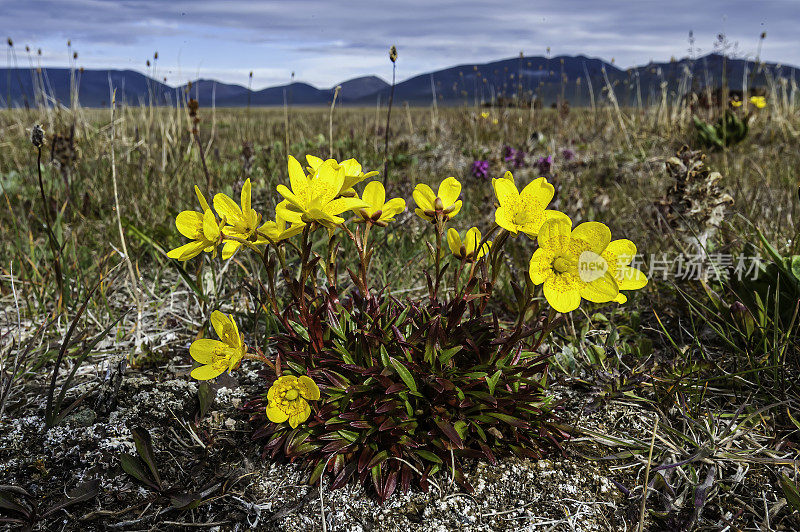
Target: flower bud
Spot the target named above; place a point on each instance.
(438, 205)
(37, 136)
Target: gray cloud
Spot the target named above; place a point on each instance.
(326, 42)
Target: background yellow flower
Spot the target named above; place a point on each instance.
(288, 399)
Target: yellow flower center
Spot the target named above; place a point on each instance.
(292, 394)
(560, 265)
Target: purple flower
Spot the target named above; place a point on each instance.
(544, 164)
(480, 169)
(567, 154)
(509, 153)
(519, 159)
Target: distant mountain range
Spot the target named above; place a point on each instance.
(575, 78)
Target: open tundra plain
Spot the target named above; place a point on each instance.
(426, 383)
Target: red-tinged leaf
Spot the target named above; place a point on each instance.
(405, 478)
(396, 387)
(450, 431)
(360, 424)
(387, 425)
(389, 485)
(335, 446)
(337, 380)
(378, 459)
(488, 453)
(364, 459)
(316, 474)
(342, 478)
(386, 406)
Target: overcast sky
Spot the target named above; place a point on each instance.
(329, 41)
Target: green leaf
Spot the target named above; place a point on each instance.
(205, 395)
(447, 354)
(144, 447)
(429, 456)
(408, 379)
(492, 381)
(300, 330)
(135, 468)
(791, 492)
(796, 266)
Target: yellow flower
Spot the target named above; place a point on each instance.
(288, 399)
(216, 356)
(571, 266)
(315, 198)
(524, 211)
(759, 101)
(201, 227)
(274, 232)
(378, 210)
(736, 102)
(353, 173)
(446, 200)
(465, 249)
(240, 222)
(618, 255)
(484, 115)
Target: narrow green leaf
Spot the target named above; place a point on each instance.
(791, 492)
(408, 379)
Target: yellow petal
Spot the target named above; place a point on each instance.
(340, 205)
(454, 241)
(422, 215)
(597, 235)
(504, 218)
(621, 298)
(326, 184)
(630, 278)
(203, 350)
(297, 177)
(202, 199)
(313, 162)
(230, 248)
(300, 416)
(187, 251)
(190, 224)
(505, 191)
(472, 239)
(554, 234)
(210, 226)
(308, 388)
(227, 208)
(246, 199)
(423, 196)
(288, 211)
(562, 293)
(620, 252)
(351, 167)
(375, 196)
(392, 208)
(456, 208)
(275, 414)
(449, 191)
(601, 290)
(222, 324)
(537, 195)
(541, 265)
(204, 373)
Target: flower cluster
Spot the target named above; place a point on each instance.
(511, 155)
(480, 169)
(356, 380)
